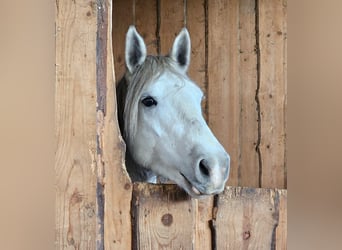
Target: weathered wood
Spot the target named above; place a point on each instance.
(202, 232)
(171, 17)
(281, 230)
(248, 218)
(113, 178)
(146, 22)
(223, 76)
(75, 102)
(122, 19)
(196, 21)
(272, 91)
(164, 217)
(248, 166)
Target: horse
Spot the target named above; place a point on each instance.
(160, 119)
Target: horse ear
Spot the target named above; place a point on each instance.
(135, 52)
(181, 49)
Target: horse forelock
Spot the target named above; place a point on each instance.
(143, 76)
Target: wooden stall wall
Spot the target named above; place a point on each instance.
(93, 190)
(239, 61)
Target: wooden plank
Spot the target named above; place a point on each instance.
(248, 166)
(164, 217)
(272, 91)
(281, 230)
(75, 103)
(223, 78)
(196, 21)
(146, 22)
(248, 218)
(113, 179)
(204, 212)
(122, 19)
(171, 22)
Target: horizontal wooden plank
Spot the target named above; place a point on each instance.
(165, 217)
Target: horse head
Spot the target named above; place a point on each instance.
(161, 120)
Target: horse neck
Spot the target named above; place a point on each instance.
(121, 92)
(135, 171)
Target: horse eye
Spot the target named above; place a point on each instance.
(149, 101)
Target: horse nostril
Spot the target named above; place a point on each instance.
(204, 168)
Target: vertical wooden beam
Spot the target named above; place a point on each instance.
(248, 167)
(272, 91)
(113, 179)
(146, 12)
(164, 217)
(122, 19)
(196, 21)
(75, 111)
(223, 78)
(281, 230)
(171, 17)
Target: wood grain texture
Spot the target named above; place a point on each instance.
(281, 230)
(171, 22)
(164, 217)
(248, 218)
(196, 21)
(146, 23)
(203, 215)
(117, 187)
(272, 91)
(145, 19)
(223, 76)
(122, 19)
(248, 165)
(75, 102)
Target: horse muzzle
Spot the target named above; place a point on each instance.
(211, 175)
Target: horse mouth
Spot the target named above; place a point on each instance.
(192, 190)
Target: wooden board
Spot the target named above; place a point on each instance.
(272, 91)
(242, 218)
(146, 19)
(171, 16)
(122, 19)
(196, 24)
(164, 217)
(202, 234)
(114, 186)
(248, 166)
(75, 102)
(249, 218)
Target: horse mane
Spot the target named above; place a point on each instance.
(132, 85)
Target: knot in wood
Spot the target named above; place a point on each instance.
(167, 219)
(127, 186)
(246, 235)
